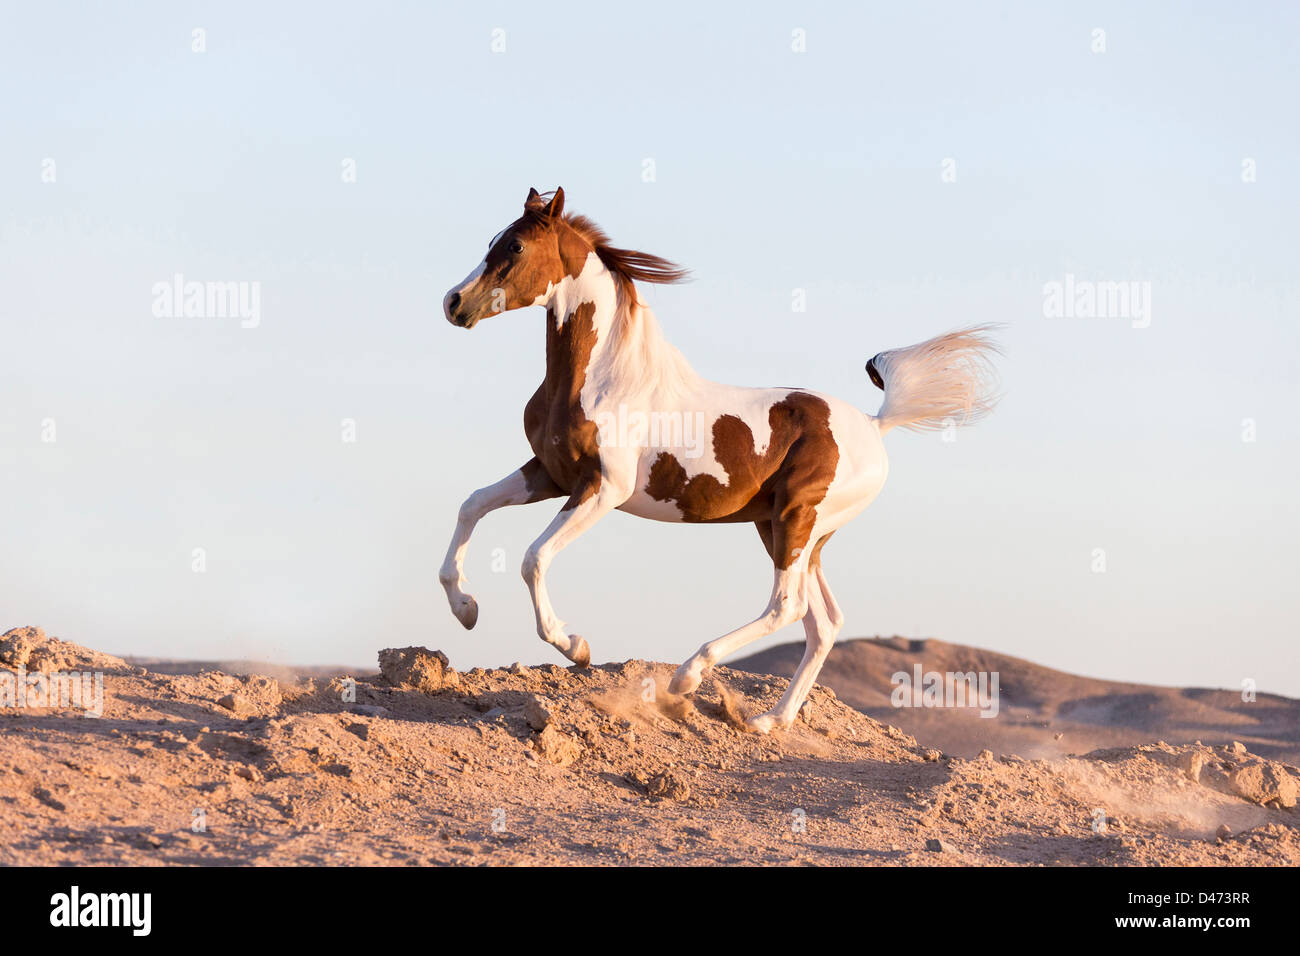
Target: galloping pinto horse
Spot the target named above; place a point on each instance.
(797, 464)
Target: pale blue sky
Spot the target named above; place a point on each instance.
(774, 171)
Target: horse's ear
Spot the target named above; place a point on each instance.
(556, 205)
(534, 200)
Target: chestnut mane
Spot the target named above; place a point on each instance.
(626, 265)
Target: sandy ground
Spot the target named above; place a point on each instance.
(600, 766)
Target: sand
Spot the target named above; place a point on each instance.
(551, 765)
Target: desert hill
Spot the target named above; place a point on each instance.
(1042, 712)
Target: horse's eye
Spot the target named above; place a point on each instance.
(516, 246)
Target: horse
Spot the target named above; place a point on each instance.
(797, 464)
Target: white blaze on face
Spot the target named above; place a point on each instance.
(470, 279)
(461, 287)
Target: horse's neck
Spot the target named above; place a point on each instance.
(605, 342)
(570, 344)
(579, 318)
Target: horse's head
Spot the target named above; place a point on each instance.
(523, 263)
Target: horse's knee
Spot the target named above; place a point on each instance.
(471, 509)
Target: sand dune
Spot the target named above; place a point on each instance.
(1042, 712)
(546, 765)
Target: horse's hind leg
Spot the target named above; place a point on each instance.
(530, 483)
(788, 603)
(821, 626)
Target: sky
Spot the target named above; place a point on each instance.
(282, 486)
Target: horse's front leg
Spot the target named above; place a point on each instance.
(590, 501)
(530, 483)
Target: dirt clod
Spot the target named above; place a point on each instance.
(558, 747)
(668, 785)
(418, 667)
(537, 711)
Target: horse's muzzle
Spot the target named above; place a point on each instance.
(455, 315)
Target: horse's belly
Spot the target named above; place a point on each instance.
(643, 506)
(661, 488)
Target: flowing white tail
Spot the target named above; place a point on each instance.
(943, 381)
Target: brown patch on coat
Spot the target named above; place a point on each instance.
(781, 486)
(816, 560)
(538, 481)
(562, 437)
(764, 527)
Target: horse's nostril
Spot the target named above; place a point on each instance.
(453, 301)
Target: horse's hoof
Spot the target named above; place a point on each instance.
(687, 680)
(762, 724)
(466, 612)
(579, 651)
